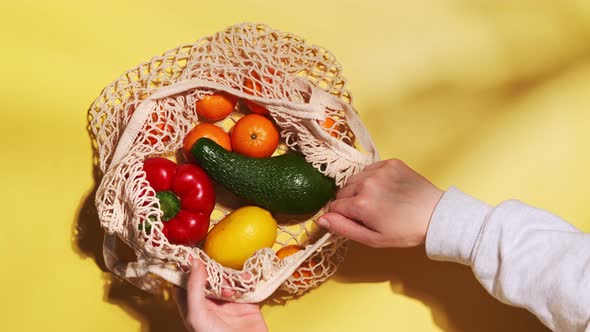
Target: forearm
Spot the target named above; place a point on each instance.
(523, 256)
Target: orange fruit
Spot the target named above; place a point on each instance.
(209, 131)
(162, 130)
(290, 250)
(255, 108)
(216, 106)
(255, 136)
(328, 126)
(253, 87)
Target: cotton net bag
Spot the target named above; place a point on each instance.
(147, 112)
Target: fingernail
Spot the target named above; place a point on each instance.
(323, 222)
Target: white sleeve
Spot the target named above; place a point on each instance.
(523, 256)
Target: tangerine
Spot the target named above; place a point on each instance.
(161, 130)
(301, 277)
(216, 106)
(207, 130)
(328, 126)
(255, 136)
(288, 250)
(253, 87)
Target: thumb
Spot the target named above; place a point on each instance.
(341, 225)
(196, 286)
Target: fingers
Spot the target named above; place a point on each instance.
(356, 178)
(375, 165)
(346, 207)
(227, 287)
(339, 224)
(358, 207)
(372, 176)
(366, 172)
(196, 286)
(349, 190)
(227, 293)
(390, 164)
(197, 281)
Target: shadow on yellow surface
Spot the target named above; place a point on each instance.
(457, 302)
(430, 128)
(442, 121)
(87, 233)
(154, 313)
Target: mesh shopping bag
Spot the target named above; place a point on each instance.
(147, 112)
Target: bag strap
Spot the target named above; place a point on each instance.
(313, 110)
(138, 273)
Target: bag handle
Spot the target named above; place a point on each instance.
(312, 110)
(138, 272)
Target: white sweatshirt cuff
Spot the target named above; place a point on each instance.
(454, 227)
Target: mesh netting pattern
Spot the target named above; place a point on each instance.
(148, 111)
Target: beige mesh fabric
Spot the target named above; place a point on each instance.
(148, 111)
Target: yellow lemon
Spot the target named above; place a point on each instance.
(239, 235)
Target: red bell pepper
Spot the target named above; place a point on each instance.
(187, 198)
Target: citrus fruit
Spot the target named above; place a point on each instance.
(207, 130)
(239, 235)
(161, 130)
(328, 126)
(216, 106)
(255, 136)
(300, 277)
(255, 108)
(254, 87)
(288, 250)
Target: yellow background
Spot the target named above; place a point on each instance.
(491, 96)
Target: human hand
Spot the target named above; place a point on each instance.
(203, 314)
(386, 205)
